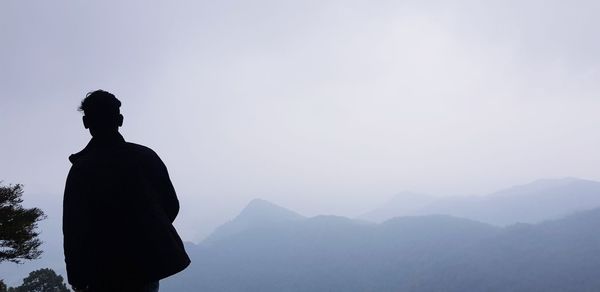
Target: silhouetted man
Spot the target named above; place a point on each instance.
(118, 209)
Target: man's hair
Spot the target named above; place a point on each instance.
(100, 103)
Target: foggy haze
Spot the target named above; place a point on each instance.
(325, 107)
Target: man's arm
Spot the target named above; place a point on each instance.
(162, 182)
(75, 228)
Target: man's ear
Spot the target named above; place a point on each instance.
(85, 122)
(120, 120)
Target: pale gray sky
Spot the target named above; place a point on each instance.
(320, 106)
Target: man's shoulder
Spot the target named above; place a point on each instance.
(142, 151)
(139, 148)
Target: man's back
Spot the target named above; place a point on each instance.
(119, 206)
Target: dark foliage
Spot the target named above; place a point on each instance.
(42, 280)
(18, 236)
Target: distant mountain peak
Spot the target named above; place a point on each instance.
(259, 204)
(542, 185)
(263, 210)
(258, 213)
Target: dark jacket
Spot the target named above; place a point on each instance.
(118, 209)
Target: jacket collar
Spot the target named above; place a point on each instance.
(98, 142)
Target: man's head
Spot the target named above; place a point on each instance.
(101, 113)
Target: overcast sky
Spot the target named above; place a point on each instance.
(325, 107)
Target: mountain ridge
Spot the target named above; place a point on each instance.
(417, 253)
(528, 203)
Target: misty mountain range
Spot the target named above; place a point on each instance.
(269, 248)
(536, 237)
(531, 203)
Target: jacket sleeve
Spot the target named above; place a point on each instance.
(162, 182)
(75, 228)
